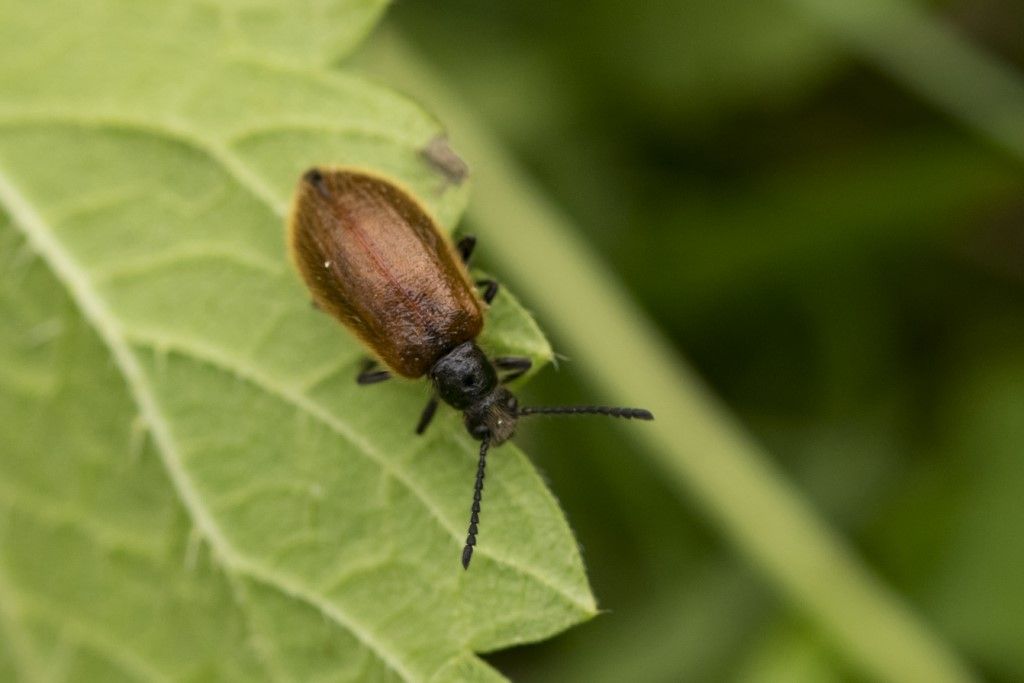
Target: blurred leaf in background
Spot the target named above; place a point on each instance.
(841, 260)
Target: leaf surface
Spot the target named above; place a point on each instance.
(192, 486)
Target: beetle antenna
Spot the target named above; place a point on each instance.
(627, 413)
(474, 515)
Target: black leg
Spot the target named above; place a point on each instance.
(519, 365)
(490, 289)
(465, 247)
(427, 415)
(370, 374)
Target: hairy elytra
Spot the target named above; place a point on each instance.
(375, 260)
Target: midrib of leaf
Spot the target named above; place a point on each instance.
(107, 327)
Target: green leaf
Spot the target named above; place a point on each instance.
(191, 484)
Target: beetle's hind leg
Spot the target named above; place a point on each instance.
(490, 288)
(465, 247)
(371, 373)
(518, 365)
(427, 415)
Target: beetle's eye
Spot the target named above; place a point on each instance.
(468, 380)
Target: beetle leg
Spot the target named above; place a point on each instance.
(465, 247)
(427, 415)
(490, 289)
(370, 374)
(519, 365)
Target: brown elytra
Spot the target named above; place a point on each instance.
(373, 258)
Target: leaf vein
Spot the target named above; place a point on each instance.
(89, 634)
(106, 325)
(200, 352)
(56, 514)
(145, 265)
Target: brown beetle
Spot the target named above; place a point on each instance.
(374, 259)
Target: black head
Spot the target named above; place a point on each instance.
(465, 379)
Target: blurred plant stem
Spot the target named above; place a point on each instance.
(694, 440)
(931, 59)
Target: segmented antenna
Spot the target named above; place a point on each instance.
(627, 413)
(474, 515)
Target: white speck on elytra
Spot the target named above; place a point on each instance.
(327, 264)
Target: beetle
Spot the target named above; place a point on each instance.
(374, 259)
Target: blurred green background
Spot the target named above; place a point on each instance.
(840, 257)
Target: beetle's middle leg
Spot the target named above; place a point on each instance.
(427, 415)
(371, 373)
(465, 248)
